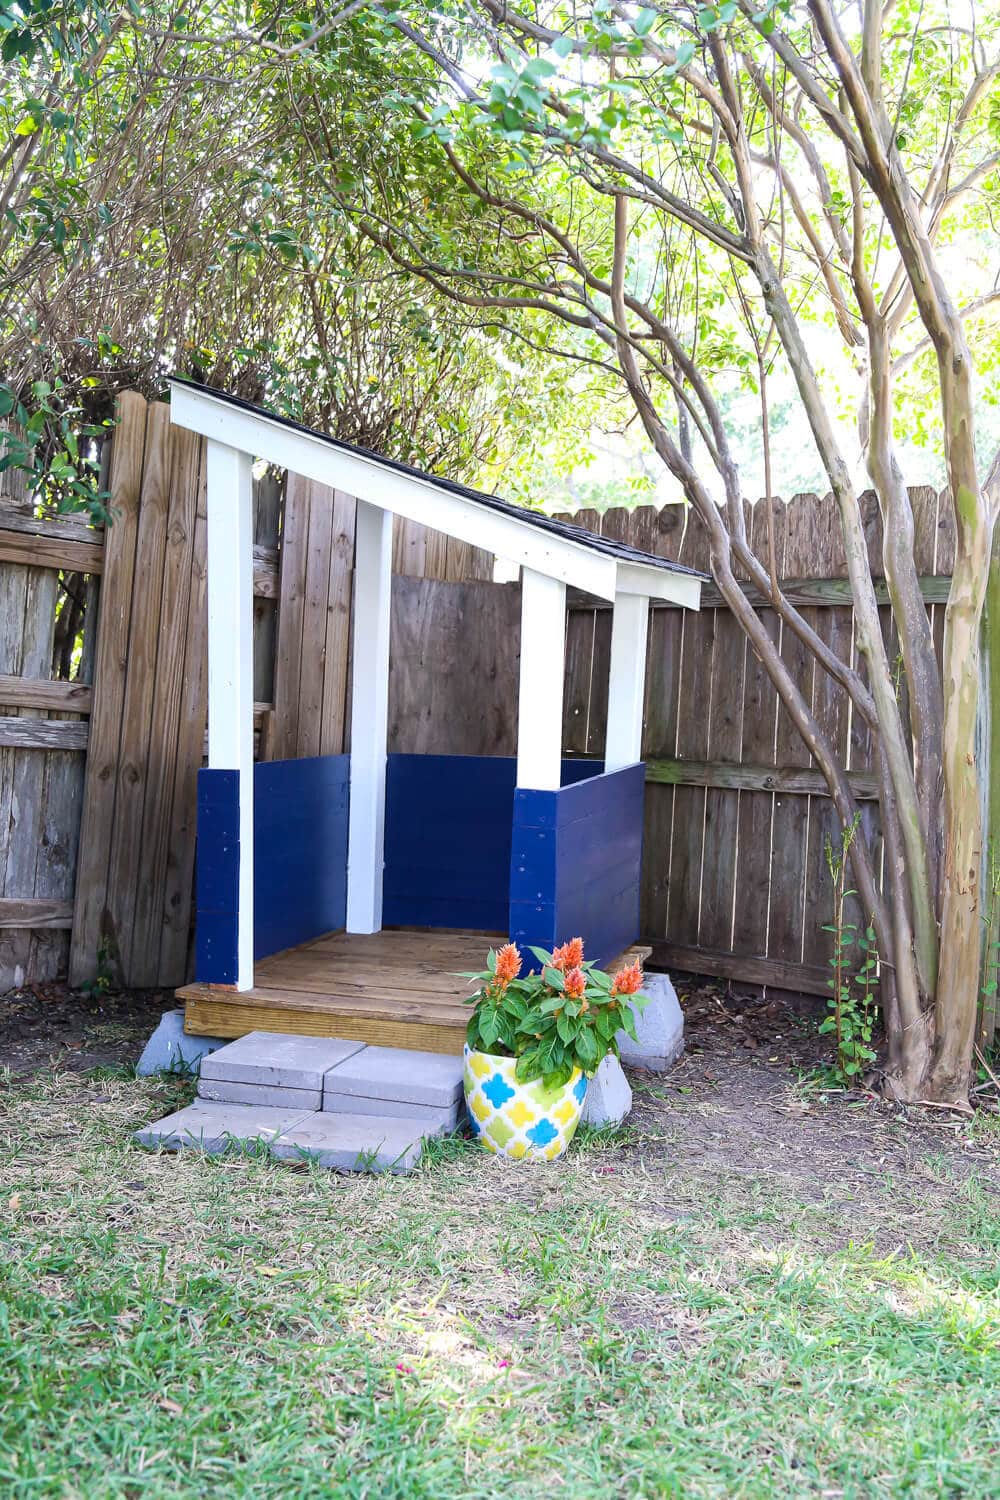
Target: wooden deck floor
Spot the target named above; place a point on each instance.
(392, 988)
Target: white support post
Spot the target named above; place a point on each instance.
(369, 717)
(540, 689)
(230, 659)
(627, 681)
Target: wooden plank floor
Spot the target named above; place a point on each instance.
(390, 988)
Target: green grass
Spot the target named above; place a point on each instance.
(633, 1322)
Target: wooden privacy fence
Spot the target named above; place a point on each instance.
(100, 744)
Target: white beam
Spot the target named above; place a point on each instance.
(369, 717)
(540, 687)
(627, 680)
(230, 659)
(659, 583)
(410, 495)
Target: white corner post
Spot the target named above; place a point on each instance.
(540, 687)
(369, 717)
(627, 681)
(229, 479)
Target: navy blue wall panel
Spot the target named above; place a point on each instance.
(217, 876)
(300, 859)
(576, 858)
(300, 850)
(447, 841)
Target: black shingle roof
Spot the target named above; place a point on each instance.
(491, 502)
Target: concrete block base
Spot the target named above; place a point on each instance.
(660, 1028)
(170, 1050)
(609, 1097)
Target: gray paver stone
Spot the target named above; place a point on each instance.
(353, 1143)
(171, 1050)
(660, 1028)
(279, 1060)
(398, 1073)
(438, 1119)
(218, 1127)
(609, 1097)
(259, 1093)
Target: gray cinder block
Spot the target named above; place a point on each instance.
(609, 1097)
(171, 1050)
(660, 1028)
(353, 1143)
(216, 1128)
(258, 1093)
(279, 1060)
(433, 1078)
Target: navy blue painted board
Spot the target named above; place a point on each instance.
(447, 841)
(217, 876)
(300, 810)
(300, 859)
(576, 857)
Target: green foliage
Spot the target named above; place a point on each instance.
(169, 204)
(854, 962)
(554, 1019)
(55, 447)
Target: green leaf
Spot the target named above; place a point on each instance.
(644, 22)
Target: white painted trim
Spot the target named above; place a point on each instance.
(369, 717)
(540, 685)
(416, 498)
(626, 681)
(658, 583)
(230, 658)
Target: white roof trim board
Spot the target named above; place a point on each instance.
(597, 565)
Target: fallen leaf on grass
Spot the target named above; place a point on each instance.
(14, 1202)
(165, 1404)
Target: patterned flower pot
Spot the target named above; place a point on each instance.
(525, 1121)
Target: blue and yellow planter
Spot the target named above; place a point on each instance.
(525, 1121)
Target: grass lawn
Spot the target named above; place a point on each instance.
(753, 1291)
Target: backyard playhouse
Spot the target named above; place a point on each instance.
(341, 896)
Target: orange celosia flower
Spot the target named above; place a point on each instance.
(569, 956)
(627, 981)
(575, 983)
(508, 963)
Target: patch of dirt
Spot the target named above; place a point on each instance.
(747, 1100)
(49, 1026)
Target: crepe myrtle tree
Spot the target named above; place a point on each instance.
(633, 172)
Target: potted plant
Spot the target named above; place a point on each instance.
(534, 1041)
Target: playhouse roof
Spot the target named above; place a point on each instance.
(481, 519)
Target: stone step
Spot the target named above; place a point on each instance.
(438, 1119)
(345, 1143)
(215, 1128)
(275, 1059)
(399, 1075)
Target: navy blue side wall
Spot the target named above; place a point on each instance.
(300, 850)
(448, 839)
(300, 859)
(576, 860)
